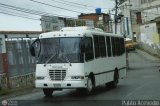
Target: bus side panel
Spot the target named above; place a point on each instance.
(104, 78)
(101, 68)
(122, 73)
(122, 66)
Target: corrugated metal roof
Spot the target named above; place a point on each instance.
(20, 32)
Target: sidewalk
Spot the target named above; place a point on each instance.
(16, 92)
(148, 56)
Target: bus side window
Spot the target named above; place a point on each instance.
(96, 46)
(116, 46)
(123, 48)
(89, 55)
(119, 46)
(102, 46)
(113, 45)
(108, 42)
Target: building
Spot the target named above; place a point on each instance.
(150, 27)
(54, 23)
(101, 20)
(142, 18)
(130, 24)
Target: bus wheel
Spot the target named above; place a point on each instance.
(48, 92)
(89, 85)
(116, 79)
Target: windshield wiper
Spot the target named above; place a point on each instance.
(53, 56)
(67, 59)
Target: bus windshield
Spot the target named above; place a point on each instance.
(60, 50)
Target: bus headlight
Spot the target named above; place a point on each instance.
(40, 78)
(77, 77)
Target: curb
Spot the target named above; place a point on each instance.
(16, 92)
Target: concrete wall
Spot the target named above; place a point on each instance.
(150, 10)
(22, 81)
(152, 49)
(150, 39)
(2, 44)
(17, 81)
(149, 33)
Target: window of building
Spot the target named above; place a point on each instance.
(144, 1)
(139, 18)
(122, 1)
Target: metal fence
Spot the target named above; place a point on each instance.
(1, 59)
(1, 64)
(20, 61)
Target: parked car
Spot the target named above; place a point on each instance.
(129, 44)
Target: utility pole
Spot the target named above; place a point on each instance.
(116, 8)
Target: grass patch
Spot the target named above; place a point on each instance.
(4, 91)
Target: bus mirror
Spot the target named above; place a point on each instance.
(34, 47)
(32, 50)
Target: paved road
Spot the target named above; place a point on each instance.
(142, 83)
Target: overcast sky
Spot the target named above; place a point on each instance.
(69, 8)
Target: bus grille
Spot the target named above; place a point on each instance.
(57, 75)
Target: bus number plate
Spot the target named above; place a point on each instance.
(57, 85)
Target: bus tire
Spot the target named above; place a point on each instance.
(89, 88)
(114, 83)
(48, 92)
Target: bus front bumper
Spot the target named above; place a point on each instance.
(60, 84)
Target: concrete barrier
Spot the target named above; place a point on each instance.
(27, 80)
(3, 81)
(22, 81)
(152, 49)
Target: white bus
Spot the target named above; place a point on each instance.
(78, 57)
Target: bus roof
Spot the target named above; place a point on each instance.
(76, 32)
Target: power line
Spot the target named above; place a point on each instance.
(69, 4)
(20, 10)
(18, 15)
(23, 10)
(29, 11)
(4, 10)
(55, 6)
(34, 12)
(83, 4)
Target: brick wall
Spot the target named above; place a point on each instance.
(92, 17)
